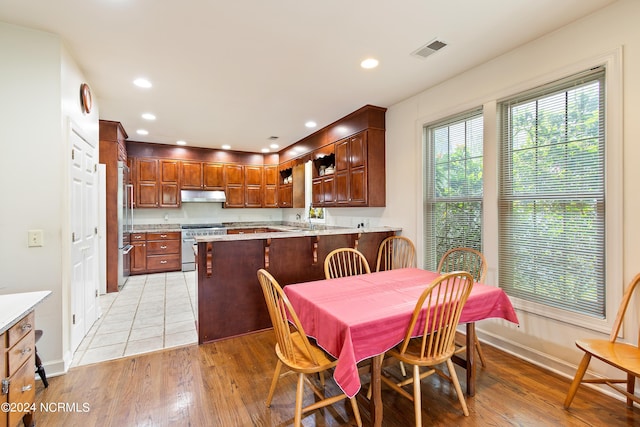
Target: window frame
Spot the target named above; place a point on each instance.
(430, 253)
(613, 161)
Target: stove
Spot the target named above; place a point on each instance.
(189, 234)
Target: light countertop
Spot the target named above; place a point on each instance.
(287, 231)
(14, 307)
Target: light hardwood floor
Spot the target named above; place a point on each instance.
(225, 384)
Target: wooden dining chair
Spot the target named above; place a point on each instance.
(396, 252)
(623, 356)
(471, 260)
(434, 321)
(295, 351)
(343, 262)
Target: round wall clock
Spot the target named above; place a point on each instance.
(85, 98)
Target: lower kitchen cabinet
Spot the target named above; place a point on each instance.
(155, 252)
(18, 380)
(163, 252)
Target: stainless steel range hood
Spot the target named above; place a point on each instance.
(202, 196)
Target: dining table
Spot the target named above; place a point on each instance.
(361, 317)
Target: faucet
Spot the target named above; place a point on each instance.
(298, 217)
(312, 226)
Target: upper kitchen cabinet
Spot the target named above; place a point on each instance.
(156, 183)
(270, 192)
(234, 185)
(202, 176)
(253, 186)
(349, 170)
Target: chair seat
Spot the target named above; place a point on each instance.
(623, 356)
(412, 355)
(303, 362)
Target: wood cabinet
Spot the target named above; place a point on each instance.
(156, 183)
(112, 151)
(359, 177)
(155, 252)
(270, 192)
(202, 176)
(138, 255)
(234, 186)
(291, 186)
(18, 380)
(253, 186)
(163, 252)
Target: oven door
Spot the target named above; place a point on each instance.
(188, 256)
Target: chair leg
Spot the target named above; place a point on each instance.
(631, 386)
(417, 398)
(40, 370)
(297, 418)
(582, 369)
(356, 411)
(274, 381)
(456, 385)
(480, 353)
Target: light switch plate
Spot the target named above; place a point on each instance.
(36, 238)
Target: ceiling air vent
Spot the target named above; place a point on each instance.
(428, 49)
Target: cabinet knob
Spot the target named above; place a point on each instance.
(26, 327)
(25, 351)
(163, 262)
(164, 236)
(163, 247)
(26, 388)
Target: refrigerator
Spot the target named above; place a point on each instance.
(125, 223)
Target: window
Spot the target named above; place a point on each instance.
(552, 195)
(453, 211)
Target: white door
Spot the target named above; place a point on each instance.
(84, 228)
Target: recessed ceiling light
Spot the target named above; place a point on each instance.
(148, 116)
(181, 142)
(311, 124)
(142, 132)
(274, 146)
(369, 63)
(142, 83)
(226, 147)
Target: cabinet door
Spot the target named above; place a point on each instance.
(191, 176)
(270, 192)
(342, 188)
(235, 196)
(317, 193)
(138, 257)
(146, 183)
(342, 155)
(213, 176)
(329, 190)
(234, 175)
(169, 183)
(253, 196)
(285, 196)
(358, 187)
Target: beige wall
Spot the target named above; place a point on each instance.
(611, 31)
(40, 84)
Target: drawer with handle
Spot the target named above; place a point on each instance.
(169, 235)
(22, 390)
(163, 247)
(22, 328)
(164, 262)
(21, 351)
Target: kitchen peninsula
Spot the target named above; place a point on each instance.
(230, 301)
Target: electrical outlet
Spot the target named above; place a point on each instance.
(36, 238)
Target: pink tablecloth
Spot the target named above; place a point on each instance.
(358, 317)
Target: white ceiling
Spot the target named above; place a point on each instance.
(239, 72)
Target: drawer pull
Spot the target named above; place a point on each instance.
(26, 387)
(163, 262)
(137, 237)
(26, 327)
(163, 247)
(25, 351)
(163, 236)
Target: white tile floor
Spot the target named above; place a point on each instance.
(150, 313)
